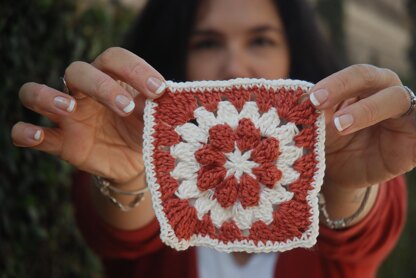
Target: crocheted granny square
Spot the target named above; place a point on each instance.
(235, 165)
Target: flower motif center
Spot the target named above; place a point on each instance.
(238, 163)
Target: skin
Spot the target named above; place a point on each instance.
(99, 138)
(227, 45)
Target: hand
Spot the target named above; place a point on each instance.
(376, 142)
(99, 127)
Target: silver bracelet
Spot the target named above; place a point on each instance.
(344, 222)
(105, 187)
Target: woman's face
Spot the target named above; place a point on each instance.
(237, 38)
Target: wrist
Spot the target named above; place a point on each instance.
(344, 207)
(133, 184)
(135, 218)
(126, 196)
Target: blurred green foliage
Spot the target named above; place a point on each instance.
(38, 39)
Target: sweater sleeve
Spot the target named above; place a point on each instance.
(370, 241)
(106, 241)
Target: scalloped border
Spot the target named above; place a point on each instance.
(167, 234)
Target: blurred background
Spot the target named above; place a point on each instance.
(39, 38)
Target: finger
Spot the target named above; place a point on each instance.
(81, 76)
(139, 99)
(353, 81)
(46, 101)
(26, 135)
(388, 103)
(39, 138)
(131, 69)
(132, 91)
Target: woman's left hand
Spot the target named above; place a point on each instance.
(369, 139)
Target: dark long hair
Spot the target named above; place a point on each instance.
(161, 33)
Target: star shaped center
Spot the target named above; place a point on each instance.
(239, 163)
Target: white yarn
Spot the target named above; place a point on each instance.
(227, 114)
(268, 122)
(237, 164)
(250, 111)
(186, 168)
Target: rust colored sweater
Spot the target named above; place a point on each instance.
(354, 252)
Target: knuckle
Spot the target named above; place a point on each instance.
(37, 96)
(41, 90)
(392, 77)
(405, 100)
(370, 110)
(341, 83)
(103, 87)
(107, 57)
(134, 69)
(25, 88)
(32, 94)
(368, 73)
(72, 68)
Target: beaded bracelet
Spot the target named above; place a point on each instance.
(338, 224)
(105, 187)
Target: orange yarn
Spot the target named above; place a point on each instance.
(290, 219)
(248, 135)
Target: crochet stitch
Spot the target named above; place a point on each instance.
(235, 165)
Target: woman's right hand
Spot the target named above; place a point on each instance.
(102, 133)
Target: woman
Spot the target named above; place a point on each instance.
(370, 136)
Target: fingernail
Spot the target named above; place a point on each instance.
(156, 85)
(318, 97)
(343, 122)
(33, 134)
(64, 103)
(124, 103)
